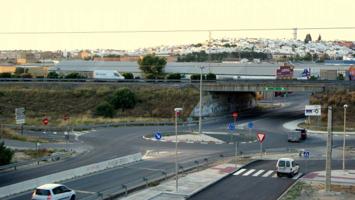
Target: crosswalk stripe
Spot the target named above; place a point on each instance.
(240, 171)
(298, 175)
(258, 172)
(248, 172)
(268, 173)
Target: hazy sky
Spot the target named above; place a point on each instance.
(123, 15)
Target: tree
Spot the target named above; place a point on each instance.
(26, 75)
(319, 38)
(5, 75)
(152, 65)
(104, 109)
(308, 38)
(128, 75)
(124, 99)
(20, 70)
(197, 77)
(53, 75)
(6, 154)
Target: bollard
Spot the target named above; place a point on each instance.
(146, 181)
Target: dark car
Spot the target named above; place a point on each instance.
(303, 133)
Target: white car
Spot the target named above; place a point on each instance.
(53, 192)
(287, 166)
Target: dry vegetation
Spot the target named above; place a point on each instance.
(79, 101)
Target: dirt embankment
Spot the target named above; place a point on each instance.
(80, 101)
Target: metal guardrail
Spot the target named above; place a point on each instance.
(38, 160)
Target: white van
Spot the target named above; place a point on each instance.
(287, 166)
(107, 75)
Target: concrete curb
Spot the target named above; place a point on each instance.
(183, 141)
(288, 189)
(68, 174)
(218, 180)
(292, 125)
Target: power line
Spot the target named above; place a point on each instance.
(167, 31)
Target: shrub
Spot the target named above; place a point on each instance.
(211, 76)
(5, 75)
(53, 75)
(197, 77)
(104, 109)
(128, 75)
(123, 98)
(6, 154)
(174, 76)
(74, 75)
(26, 75)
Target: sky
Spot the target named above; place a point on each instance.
(126, 15)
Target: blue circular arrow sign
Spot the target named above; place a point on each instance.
(231, 126)
(157, 135)
(250, 125)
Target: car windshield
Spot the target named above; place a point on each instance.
(281, 163)
(42, 192)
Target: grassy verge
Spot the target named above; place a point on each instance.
(12, 135)
(296, 191)
(337, 128)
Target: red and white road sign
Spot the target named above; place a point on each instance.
(235, 115)
(45, 121)
(260, 137)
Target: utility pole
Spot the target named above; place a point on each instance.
(200, 107)
(328, 163)
(345, 107)
(177, 114)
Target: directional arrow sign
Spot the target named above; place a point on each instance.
(157, 135)
(260, 137)
(250, 125)
(231, 126)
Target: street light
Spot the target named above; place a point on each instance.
(345, 107)
(200, 110)
(177, 114)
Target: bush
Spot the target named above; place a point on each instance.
(211, 76)
(123, 98)
(104, 109)
(26, 75)
(5, 75)
(74, 75)
(53, 75)
(6, 154)
(197, 77)
(128, 75)
(174, 76)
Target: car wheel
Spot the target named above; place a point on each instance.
(72, 197)
(290, 175)
(278, 174)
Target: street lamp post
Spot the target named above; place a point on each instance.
(177, 113)
(345, 107)
(200, 110)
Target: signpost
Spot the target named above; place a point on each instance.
(45, 121)
(261, 137)
(312, 110)
(306, 155)
(20, 117)
(157, 135)
(250, 126)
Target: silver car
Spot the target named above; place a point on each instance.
(53, 192)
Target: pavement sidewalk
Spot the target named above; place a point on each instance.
(188, 185)
(346, 177)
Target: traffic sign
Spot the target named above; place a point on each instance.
(20, 115)
(235, 115)
(158, 135)
(260, 137)
(250, 125)
(275, 89)
(45, 121)
(231, 126)
(306, 154)
(312, 110)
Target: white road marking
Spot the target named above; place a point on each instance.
(274, 176)
(249, 172)
(298, 176)
(240, 171)
(268, 173)
(258, 172)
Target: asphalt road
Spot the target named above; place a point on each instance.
(111, 143)
(259, 181)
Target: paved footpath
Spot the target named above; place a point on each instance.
(188, 185)
(346, 177)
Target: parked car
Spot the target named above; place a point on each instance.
(287, 166)
(53, 192)
(303, 133)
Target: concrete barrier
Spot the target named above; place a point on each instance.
(68, 174)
